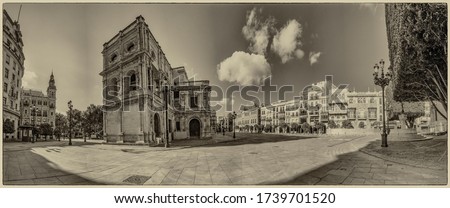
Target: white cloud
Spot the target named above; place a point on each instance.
(29, 79)
(287, 40)
(299, 54)
(244, 68)
(257, 31)
(314, 57)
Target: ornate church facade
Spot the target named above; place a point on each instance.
(145, 99)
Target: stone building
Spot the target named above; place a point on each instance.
(136, 75)
(13, 66)
(364, 109)
(192, 112)
(223, 123)
(37, 108)
(249, 119)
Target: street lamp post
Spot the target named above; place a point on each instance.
(166, 99)
(223, 126)
(34, 123)
(69, 104)
(234, 125)
(382, 79)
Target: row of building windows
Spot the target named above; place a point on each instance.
(251, 121)
(11, 103)
(12, 92)
(39, 120)
(371, 113)
(13, 75)
(43, 113)
(39, 102)
(362, 100)
(338, 117)
(8, 61)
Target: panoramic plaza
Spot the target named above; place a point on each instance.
(273, 96)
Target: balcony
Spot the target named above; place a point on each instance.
(362, 117)
(338, 111)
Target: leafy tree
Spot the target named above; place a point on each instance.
(320, 127)
(268, 128)
(294, 126)
(417, 40)
(230, 122)
(36, 131)
(75, 120)
(347, 124)
(8, 127)
(61, 125)
(376, 124)
(92, 119)
(45, 129)
(257, 128)
(361, 125)
(411, 110)
(306, 127)
(332, 124)
(247, 127)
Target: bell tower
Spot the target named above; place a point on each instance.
(51, 89)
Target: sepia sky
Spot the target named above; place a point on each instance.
(296, 44)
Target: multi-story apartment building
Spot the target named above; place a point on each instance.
(337, 107)
(364, 108)
(249, 119)
(13, 66)
(324, 102)
(146, 99)
(318, 101)
(267, 115)
(37, 108)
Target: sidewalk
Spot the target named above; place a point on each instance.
(429, 153)
(402, 163)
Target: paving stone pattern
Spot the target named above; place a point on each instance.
(277, 160)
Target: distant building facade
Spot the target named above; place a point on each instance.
(223, 123)
(37, 108)
(322, 102)
(13, 66)
(135, 75)
(365, 109)
(249, 119)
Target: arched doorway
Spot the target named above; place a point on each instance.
(194, 128)
(157, 125)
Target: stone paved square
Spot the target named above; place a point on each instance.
(229, 162)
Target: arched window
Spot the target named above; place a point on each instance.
(153, 55)
(114, 86)
(113, 57)
(130, 47)
(133, 82)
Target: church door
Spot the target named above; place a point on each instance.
(194, 128)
